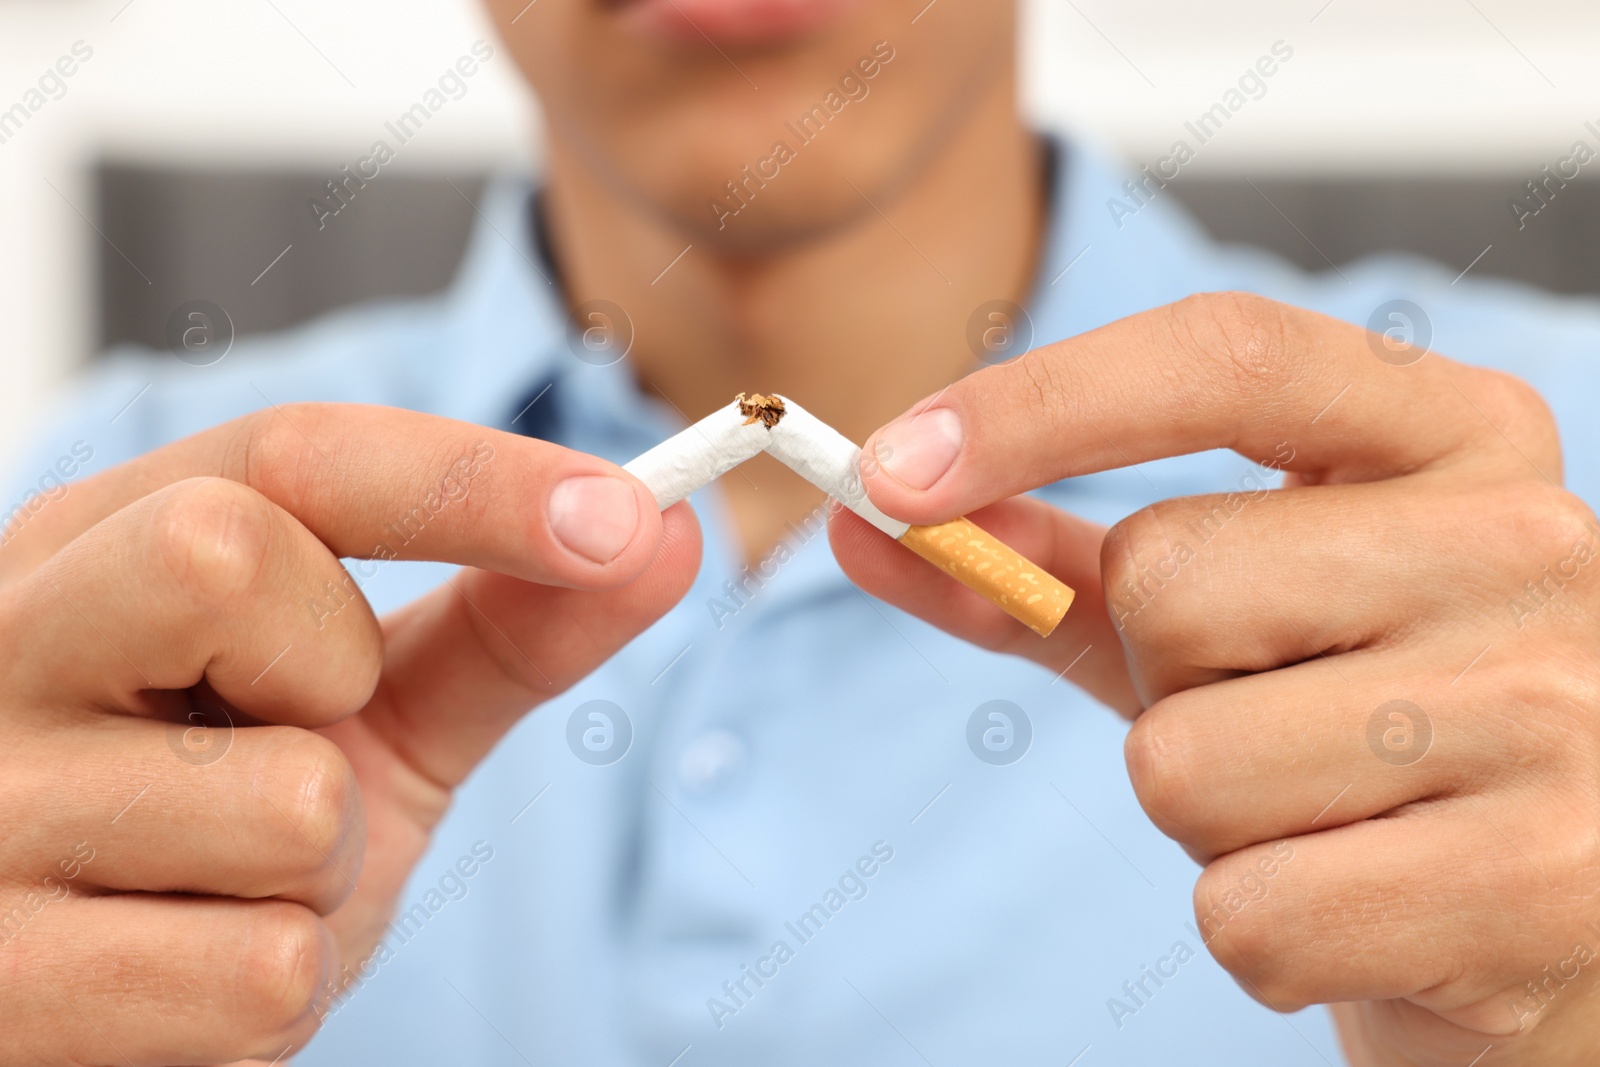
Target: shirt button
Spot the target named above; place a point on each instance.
(710, 761)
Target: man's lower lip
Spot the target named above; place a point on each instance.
(732, 22)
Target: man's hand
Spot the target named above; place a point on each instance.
(1379, 686)
(176, 891)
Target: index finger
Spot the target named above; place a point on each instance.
(1285, 387)
(385, 483)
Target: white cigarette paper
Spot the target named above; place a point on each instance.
(727, 437)
(830, 461)
(699, 455)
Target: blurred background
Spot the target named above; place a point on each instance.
(176, 162)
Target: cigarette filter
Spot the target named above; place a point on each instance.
(830, 461)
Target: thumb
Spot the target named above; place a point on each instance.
(1085, 648)
(463, 664)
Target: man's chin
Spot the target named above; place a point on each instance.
(731, 23)
(770, 224)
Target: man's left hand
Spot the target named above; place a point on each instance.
(1389, 668)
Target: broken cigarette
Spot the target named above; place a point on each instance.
(830, 461)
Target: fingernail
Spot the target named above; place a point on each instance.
(595, 516)
(917, 451)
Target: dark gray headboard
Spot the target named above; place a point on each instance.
(1451, 220)
(210, 234)
(198, 234)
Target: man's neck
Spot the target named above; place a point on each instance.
(856, 324)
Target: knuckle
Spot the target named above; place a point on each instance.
(312, 785)
(1242, 939)
(1515, 408)
(1160, 770)
(1555, 523)
(213, 536)
(271, 450)
(1545, 703)
(1142, 566)
(1578, 850)
(1127, 545)
(284, 964)
(1522, 397)
(1245, 335)
(1571, 520)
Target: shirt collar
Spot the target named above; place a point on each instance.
(505, 306)
(505, 320)
(515, 342)
(1099, 265)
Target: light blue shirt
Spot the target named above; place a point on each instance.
(799, 770)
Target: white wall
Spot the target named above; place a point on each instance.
(1375, 85)
(231, 83)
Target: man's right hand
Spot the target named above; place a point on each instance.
(173, 891)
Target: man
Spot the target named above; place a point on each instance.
(760, 817)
